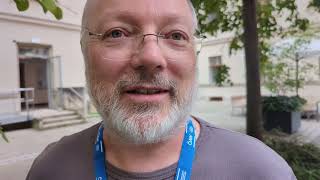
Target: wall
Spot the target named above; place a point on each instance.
(33, 26)
(220, 47)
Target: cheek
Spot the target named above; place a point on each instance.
(183, 71)
(184, 74)
(103, 70)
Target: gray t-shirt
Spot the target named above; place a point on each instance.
(220, 155)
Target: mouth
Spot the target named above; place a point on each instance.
(143, 94)
(146, 90)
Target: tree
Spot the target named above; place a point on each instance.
(315, 4)
(287, 72)
(218, 16)
(254, 112)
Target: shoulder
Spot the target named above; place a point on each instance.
(239, 154)
(68, 156)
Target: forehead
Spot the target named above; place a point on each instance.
(138, 11)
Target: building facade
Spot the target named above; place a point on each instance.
(44, 54)
(39, 52)
(215, 53)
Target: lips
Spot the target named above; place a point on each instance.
(145, 90)
(141, 94)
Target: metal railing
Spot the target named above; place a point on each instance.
(27, 99)
(82, 109)
(12, 98)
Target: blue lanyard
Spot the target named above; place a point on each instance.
(184, 164)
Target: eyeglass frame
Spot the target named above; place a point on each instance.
(197, 34)
(99, 36)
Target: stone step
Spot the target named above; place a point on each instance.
(57, 124)
(54, 114)
(57, 120)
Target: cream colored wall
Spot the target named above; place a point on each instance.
(65, 43)
(34, 25)
(236, 61)
(220, 47)
(72, 10)
(8, 60)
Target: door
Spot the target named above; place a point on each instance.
(33, 69)
(33, 74)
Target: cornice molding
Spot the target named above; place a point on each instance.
(215, 41)
(39, 21)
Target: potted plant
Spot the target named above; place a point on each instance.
(282, 112)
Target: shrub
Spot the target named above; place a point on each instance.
(282, 103)
(304, 159)
(222, 75)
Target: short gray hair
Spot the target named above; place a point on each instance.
(194, 16)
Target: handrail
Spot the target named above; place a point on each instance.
(75, 92)
(26, 99)
(83, 98)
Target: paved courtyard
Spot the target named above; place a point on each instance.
(16, 157)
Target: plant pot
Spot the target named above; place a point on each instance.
(288, 122)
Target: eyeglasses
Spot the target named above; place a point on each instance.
(119, 44)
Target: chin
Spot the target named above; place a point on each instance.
(145, 125)
(143, 122)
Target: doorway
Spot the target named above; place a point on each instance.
(33, 73)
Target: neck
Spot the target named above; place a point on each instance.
(149, 157)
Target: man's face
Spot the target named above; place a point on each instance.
(143, 87)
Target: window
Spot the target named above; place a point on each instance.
(214, 63)
(33, 52)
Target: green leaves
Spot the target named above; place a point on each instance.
(282, 103)
(22, 5)
(3, 135)
(304, 159)
(50, 5)
(285, 71)
(275, 18)
(222, 75)
(47, 5)
(315, 4)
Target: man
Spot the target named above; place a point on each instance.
(140, 68)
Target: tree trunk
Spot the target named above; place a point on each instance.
(254, 113)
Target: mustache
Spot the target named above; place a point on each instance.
(140, 79)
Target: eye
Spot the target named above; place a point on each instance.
(177, 36)
(114, 34)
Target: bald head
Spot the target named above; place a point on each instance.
(91, 5)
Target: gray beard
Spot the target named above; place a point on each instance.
(140, 123)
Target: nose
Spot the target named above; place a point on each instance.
(149, 56)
